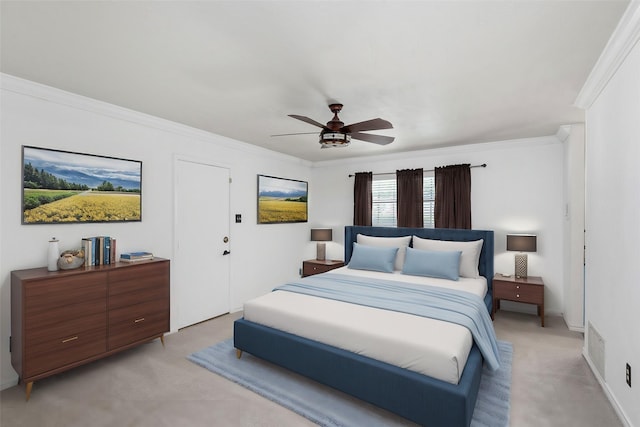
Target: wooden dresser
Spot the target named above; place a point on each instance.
(64, 319)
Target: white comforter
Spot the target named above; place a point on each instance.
(431, 347)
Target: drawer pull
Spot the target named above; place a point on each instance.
(517, 295)
(139, 320)
(70, 339)
(517, 286)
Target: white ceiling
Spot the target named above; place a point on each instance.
(443, 72)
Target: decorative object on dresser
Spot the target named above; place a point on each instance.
(528, 290)
(69, 260)
(314, 266)
(52, 256)
(135, 256)
(521, 243)
(321, 235)
(61, 320)
(99, 250)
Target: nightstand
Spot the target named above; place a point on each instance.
(529, 290)
(314, 266)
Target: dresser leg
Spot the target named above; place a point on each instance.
(238, 353)
(162, 340)
(27, 391)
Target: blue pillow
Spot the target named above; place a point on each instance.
(374, 258)
(442, 265)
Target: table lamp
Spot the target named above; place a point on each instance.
(521, 243)
(321, 235)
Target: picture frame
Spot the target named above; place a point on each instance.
(282, 200)
(63, 187)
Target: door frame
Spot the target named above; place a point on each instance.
(175, 294)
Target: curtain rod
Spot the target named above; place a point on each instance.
(484, 165)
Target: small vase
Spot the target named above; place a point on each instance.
(54, 254)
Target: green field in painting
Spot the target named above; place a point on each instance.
(272, 209)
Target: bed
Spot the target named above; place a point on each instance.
(418, 396)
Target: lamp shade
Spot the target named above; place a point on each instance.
(521, 242)
(321, 234)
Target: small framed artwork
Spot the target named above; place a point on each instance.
(65, 187)
(281, 200)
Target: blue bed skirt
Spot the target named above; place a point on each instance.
(414, 396)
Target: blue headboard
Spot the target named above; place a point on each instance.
(485, 266)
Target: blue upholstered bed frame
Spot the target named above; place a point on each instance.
(424, 400)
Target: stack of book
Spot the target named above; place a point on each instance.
(135, 256)
(99, 250)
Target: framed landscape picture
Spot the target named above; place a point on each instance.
(281, 200)
(66, 187)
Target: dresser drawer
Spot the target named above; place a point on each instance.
(53, 293)
(41, 321)
(138, 296)
(134, 323)
(139, 277)
(63, 350)
(518, 292)
(61, 330)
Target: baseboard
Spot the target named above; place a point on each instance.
(8, 384)
(616, 407)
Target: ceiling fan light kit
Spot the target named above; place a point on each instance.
(334, 139)
(336, 134)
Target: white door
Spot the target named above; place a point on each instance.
(202, 241)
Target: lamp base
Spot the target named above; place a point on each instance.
(321, 251)
(521, 265)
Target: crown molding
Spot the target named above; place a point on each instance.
(444, 151)
(58, 96)
(621, 42)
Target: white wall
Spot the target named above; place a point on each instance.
(520, 191)
(574, 227)
(262, 255)
(613, 222)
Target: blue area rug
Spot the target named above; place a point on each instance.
(328, 407)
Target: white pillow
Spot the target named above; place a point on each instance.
(394, 242)
(470, 252)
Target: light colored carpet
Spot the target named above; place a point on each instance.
(330, 408)
(551, 385)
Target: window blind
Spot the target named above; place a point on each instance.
(384, 195)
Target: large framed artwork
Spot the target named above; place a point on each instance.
(281, 200)
(67, 187)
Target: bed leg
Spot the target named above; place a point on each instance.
(238, 353)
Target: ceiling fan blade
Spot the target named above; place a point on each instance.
(376, 139)
(298, 133)
(307, 120)
(373, 124)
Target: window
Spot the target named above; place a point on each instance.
(384, 195)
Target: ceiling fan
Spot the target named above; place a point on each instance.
(336, 134)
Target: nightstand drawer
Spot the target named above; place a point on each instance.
(311, 267)
(518, 292)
